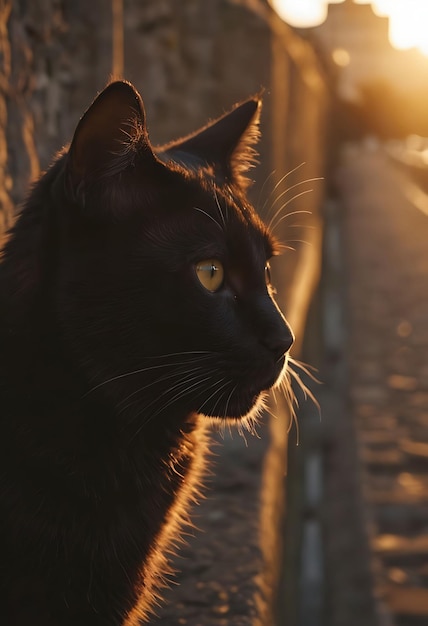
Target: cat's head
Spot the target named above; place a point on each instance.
(163, 286)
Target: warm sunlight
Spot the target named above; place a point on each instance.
(408, 19)
(301, 13)
(408, 23)
(381, 7)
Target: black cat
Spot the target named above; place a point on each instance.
(134, 304)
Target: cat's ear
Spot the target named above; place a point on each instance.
(108, 135)
(227, 144)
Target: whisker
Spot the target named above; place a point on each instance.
(305, 389)
(292, 402)
(199, 379)
(289, 226)
(267, 179)
(208, 215)
(228, 400)
(274, 396)
(242, 433)
(159, 380)
(148, 369)
(305, 367)
(288, 214)
(176, 397)
(307, 243)
(221, 395)
(273, 225)
(281, 180)
(219, 208)
(299, 184)
(305, 226)
(180, 384)
(213, 394)
(282, 245)
(184, 353)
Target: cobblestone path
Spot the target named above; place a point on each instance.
(386, 253)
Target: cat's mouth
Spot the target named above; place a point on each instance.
(244, 399)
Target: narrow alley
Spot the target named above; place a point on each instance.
(384, 352)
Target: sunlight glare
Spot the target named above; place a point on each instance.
(408, 24)
(301, 13)
(408, 19)
(381, 8)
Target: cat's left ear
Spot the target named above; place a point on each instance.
(109, 134)
(226, 145)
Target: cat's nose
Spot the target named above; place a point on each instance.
(279, 340)
(276, 334)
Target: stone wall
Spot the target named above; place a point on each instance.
(191, 60)
(55, 55)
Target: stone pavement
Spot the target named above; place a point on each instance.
(385, 241)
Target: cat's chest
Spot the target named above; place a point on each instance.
(102, 494)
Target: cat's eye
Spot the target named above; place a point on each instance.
(268, 276)
(210, 273)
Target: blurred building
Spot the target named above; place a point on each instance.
(356, 41)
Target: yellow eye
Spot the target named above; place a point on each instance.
(210, 274)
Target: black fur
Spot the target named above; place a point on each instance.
(113, 356)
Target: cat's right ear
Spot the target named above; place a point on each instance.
(108, 135)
